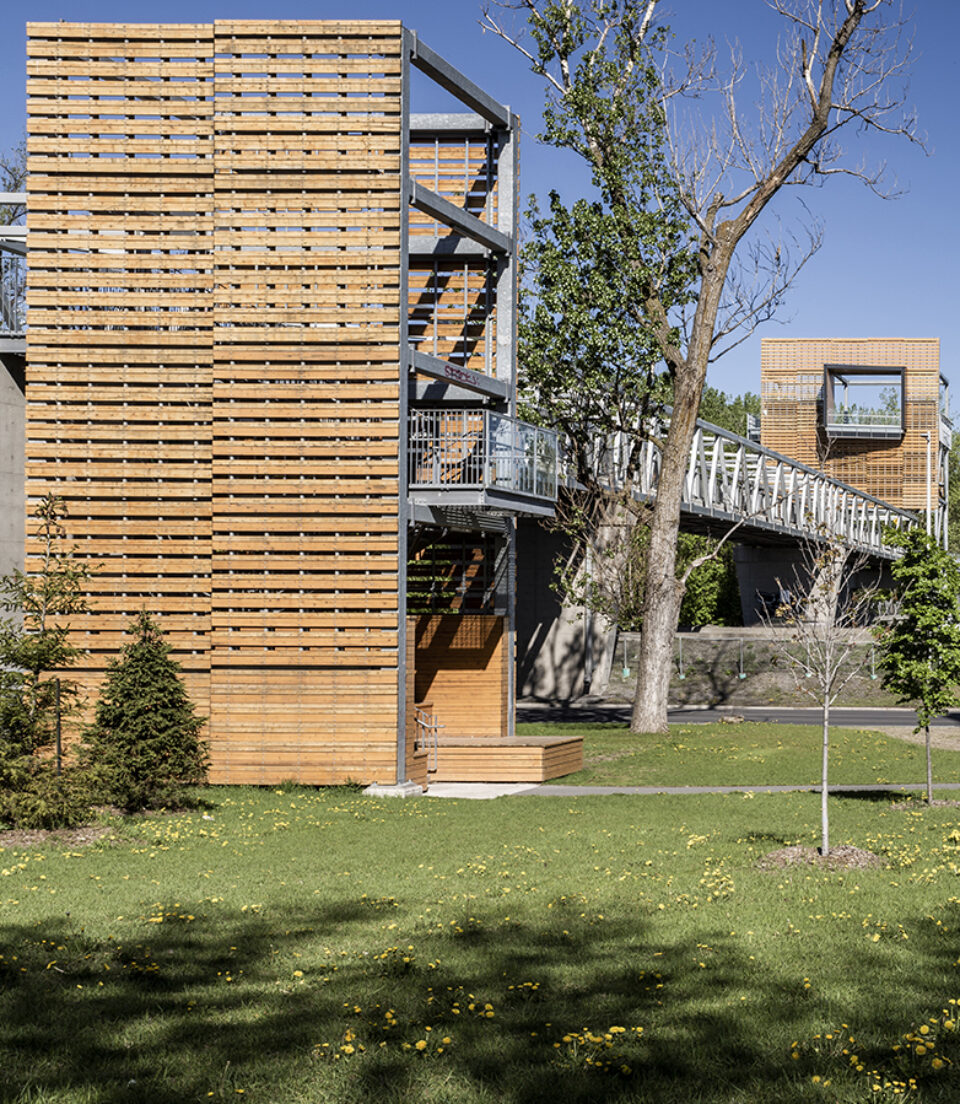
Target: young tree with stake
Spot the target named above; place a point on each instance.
(818, 638)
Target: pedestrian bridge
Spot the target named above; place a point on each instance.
(771, 499)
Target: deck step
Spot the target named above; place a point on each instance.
(521, 759)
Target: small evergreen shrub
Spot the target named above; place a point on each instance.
(47, 799)
(144, 745)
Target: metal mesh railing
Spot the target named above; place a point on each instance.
(481, 449)
(12, 288)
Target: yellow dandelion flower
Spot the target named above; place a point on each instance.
(420, 1044)
(937, 1063)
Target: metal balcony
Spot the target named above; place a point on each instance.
(481, 459)
(864, 423)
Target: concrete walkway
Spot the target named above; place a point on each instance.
(485, 791)
(480, 791)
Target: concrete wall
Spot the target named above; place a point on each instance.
(554, 661)
(12, 506)
(761, 571)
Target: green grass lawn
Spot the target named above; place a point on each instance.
(300, 945)
(745, 755)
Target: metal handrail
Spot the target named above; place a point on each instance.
(481, 449)
(736, 480)
(428, 733)
(865, 417)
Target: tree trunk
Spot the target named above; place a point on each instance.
(662, 590)
(661, 610)
(824, 817)
(929, 770)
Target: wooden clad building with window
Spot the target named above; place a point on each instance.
(271, 370)
(871, 412)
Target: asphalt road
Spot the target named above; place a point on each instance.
(610, 711)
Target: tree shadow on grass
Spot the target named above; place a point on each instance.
(202, 1009)
(875, 797)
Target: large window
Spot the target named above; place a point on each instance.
(862, 401)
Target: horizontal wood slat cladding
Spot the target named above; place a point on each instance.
(461, 664)
(894, 470)
(213, 366)
(517, 760)
(118, 386)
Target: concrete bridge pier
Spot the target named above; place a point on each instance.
(563, 652)
(12, 505)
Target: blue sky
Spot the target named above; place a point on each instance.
(886, 268)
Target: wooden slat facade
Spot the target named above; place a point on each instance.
(119, 377)
(461, 669)
(223, 271)
(214, 366)
(792, 373)
(452, 313)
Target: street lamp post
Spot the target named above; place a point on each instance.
(929, 516)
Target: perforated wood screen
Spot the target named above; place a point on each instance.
(213, 365)
(895, 470)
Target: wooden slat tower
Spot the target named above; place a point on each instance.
(230, 268)
(892, 468)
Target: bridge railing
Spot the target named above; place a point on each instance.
(735, 480)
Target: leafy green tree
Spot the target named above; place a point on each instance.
(728, 411)
(953, 494)
(587, 364)
(688, 195)
(144, 745)
(920, 651)
(34, 647)
(712, 595)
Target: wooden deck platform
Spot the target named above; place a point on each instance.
(521, 759)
